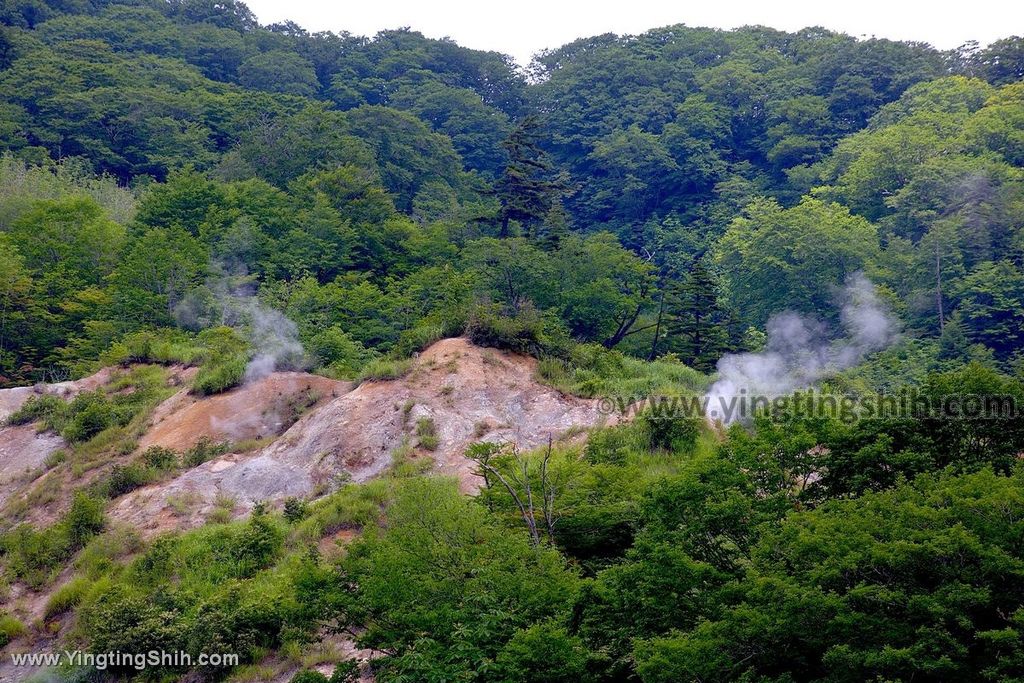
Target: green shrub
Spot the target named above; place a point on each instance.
(219, 376)
(38, 407)
(91, 413)
(404, 462)
(31, 555)
(346, 672)
(665, 431)
(426, 432)
(83, 520)
(10, 628)
(612, 445)
(295, 509)
(125, 479)
(350, 506)
(418, 338)
(528, 331)
(543, 653)
(257, 545)
(100, 553)
(233, 619)
(159, 458)
(163, 346)
(34, 556)
(338, 352)
(222, 341)
(592, 370)
(67, 597)
(383, 369)
(204, 450)
(121, 619)
(86, 415)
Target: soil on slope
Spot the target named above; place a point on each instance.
(12, 399)
(259, 409)
(468, 393)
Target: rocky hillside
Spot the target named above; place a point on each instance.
(296, 434)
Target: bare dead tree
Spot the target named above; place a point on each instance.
(517, 482)
(548, 488)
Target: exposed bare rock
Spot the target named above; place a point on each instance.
(258, 409)
(23, 451)
(12, 399)
(468, 393)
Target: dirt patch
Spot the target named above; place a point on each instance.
(23, 452)
(12, 399)
(465, 392)
(259, 409)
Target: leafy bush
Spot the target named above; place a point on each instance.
(613, 445)
(219, 376)
(103, 550)
(235, 619)
(121, 619)
(543, 653)
(338, 352)
(420, 337)
(257, 545)
(351, 506)
(88, 415)
(394, 580)
(345, 672)
(163, 346)
(295, 509)
(38, 407)
(10, 628)
(90, 412)
(426, 431)
(384, 369)
(159, 458)
(670, 432)
(593, 370)
(309, 676)
(83, 520)
(205, 449)
(67, 597)
(528, 331)
(123, 479)
(35, 555)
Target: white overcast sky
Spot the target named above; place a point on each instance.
(522, 27)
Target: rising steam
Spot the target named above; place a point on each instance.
(798, 352)
(274, 338)
(229, 298)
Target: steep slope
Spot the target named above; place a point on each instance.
(464, 392)
(23, 448)
(261, 408)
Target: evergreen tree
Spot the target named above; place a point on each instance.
(953, 342)
(527, 189)
(694, 319)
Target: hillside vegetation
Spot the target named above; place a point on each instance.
(193, 201)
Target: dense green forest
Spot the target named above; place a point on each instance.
(625, 209)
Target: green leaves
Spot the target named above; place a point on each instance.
(776, 259)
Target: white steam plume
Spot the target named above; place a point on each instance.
(229, 299)
(798, 353)
(274, 338)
